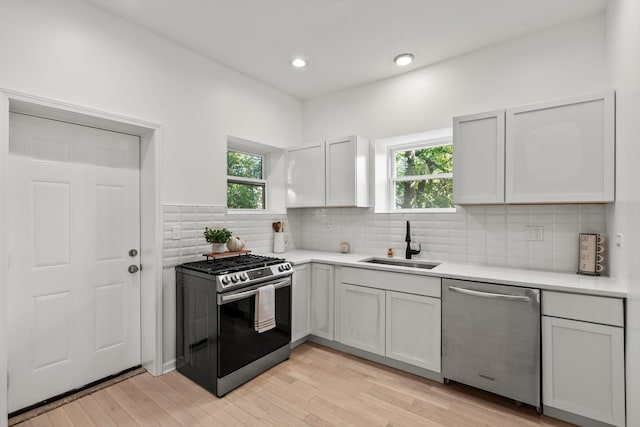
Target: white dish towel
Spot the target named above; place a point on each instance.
(265, 310)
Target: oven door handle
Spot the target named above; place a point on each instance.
(241, 295)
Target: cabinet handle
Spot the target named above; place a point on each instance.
(490, 295)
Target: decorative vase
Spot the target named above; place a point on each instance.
(218, 248)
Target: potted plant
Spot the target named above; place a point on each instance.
(218, 239)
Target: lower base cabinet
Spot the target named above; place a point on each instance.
(322, 300)
(301, 302)
(395, 315)
(583, 361)
(413, 329)
(362, 318)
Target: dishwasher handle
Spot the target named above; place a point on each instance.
(491, 295)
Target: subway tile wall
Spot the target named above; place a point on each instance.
(490, 235)
(254, 228)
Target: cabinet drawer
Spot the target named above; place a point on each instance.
(400, 282)
(588, 308)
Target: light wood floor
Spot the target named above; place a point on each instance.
(317, 386)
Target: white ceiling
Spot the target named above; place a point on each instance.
(346, 42)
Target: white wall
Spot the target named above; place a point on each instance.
(623, 49)
(71, 51)
(74, 52)
(559, 62)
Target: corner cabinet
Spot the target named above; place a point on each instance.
(330, 173)
(301, 302)
(305, 176)
(561, 151)
(322, 300)
(583, 358)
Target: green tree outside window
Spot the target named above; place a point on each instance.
(246, 186)
(423, 177)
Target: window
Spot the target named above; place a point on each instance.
(415, 173)
(422, 177)
(246, 184)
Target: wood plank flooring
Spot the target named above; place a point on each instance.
(316, 387)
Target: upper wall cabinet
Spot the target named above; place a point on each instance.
(331, 173)
(555, 152)
(478, 158)
(561, 151)
(305, 176)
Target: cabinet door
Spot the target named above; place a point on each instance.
(478, 158)
(347, 172)
(322, 293)
(305, 176)
(301, 302)
(362, 317)
(561, 151)
(583, 369)
(413, 329)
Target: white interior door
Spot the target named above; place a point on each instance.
(74, 215)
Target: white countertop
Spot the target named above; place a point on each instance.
(548, 280)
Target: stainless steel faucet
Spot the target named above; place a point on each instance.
(409, 252)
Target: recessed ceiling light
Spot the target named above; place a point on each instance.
(403, 59)
(298, 62)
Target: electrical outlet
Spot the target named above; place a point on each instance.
(619, 240)
(175, 232)
(534, 233)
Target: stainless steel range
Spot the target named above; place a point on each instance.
(217, 345)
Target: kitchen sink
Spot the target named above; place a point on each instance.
(402, 263)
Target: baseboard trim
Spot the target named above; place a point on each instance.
(169, 366)
(572, 418)
(421, 372)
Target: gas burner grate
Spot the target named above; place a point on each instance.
(233, 264)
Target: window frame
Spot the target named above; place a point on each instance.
(250, 181)
(385, 168)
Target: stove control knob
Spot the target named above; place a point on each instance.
(288, 266)
(244, 277)
(281, 268)
(225, 280)
(234, 278)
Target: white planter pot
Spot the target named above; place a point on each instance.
(218, 248)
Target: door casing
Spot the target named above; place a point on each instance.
(150, 211)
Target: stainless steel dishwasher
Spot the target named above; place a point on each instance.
(491, 338)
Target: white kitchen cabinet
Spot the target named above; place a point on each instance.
(301, 302)
(478, 158)
(583, 361)
(305, 176)
(561, 151)
(322, 300)
(330, 173)
(347, 172)
(413, 329)
(362, 318)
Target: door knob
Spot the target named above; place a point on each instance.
(133, 268)
(133, 252)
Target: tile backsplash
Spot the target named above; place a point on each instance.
(490, 235)
(254, 228)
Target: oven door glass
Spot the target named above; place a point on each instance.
(238, 342)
